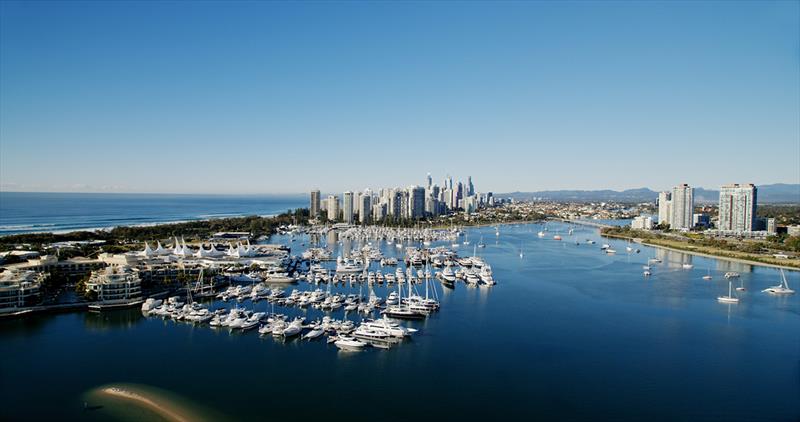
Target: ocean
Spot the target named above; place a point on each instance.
(25, 212)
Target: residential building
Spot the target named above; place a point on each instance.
(737, 208)
(19, 289)
(347, 207)
(315, 204)
(682, 207)
(115, 283)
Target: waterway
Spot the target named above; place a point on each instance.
(567, 333)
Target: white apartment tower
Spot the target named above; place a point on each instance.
(737, 207)
(682, 207)
(665, 207)
(347, 207)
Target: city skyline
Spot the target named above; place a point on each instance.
(518, 95)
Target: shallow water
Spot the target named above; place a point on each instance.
(568, 332)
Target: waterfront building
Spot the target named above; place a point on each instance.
(115, 283)
(682, 207)
(642, 223)
(19, 289)
(395, 203)
(333, 208)
(664, 207)
(365, 206)
(347, 207)
(737, 208)
(470, 187)
(315, 203)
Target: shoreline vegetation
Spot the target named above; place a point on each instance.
(691, 246)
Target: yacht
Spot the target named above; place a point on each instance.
(540, 234)
(687, 266)
(729, 298)
(708, 276)
(349, 343)
(780, 289)
(557, 237)
(731, 274)
(151, 304)
(344, 266)
(315, 332)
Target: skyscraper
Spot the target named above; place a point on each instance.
(347, 207)
(365, 207)
(682, 207)
(333, 208)
(737, 208)
(470, 187)
(314, 209)
(430, 181)
(416, 201)
(665, 207)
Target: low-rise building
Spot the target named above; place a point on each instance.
(642, 223)
(19, 289)
(115, 283)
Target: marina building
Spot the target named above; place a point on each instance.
(682, 207)
(19, 289)
(115, 283)
(737, 208)
(315, 203)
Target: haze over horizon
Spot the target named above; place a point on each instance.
(270, 97)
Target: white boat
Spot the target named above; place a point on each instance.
(646, 273)
(687, 266)
(540, 234)
(780, 289)
(315, 332)
(349, 343)
(729, 298)
(151, 304)
(708, 276)
(731, 275)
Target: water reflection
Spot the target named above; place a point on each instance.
(109, 320)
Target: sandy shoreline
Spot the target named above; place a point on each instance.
(163, 409)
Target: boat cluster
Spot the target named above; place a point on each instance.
(345, 334)
(399, 235)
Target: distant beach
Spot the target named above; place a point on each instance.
(137, 402)
(25, 212)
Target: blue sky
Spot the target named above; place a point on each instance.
(269, 97)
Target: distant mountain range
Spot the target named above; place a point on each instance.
(776, 193)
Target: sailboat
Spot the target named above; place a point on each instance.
(481, 244)
(708, 276)
(729, 298)
(780, 289)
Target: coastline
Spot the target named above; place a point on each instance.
(125, 401)
(149, 224)
(705, 254)
(162, 409)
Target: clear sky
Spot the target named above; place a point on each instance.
(269, 97)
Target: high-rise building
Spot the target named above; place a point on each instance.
(365, 207)
(314, 209)
(416, 201)
(347, 207)
(430, 181)
(737, 208)
(333, 208)
(682, 207)
(395, 203)
(664, 207)
(470, 187)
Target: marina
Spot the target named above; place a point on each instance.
(557, 363)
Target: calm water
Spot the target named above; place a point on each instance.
(567, 333)
(22, 212)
